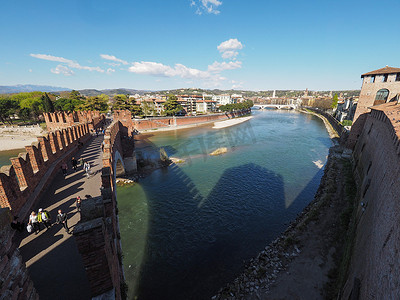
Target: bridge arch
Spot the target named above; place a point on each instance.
(118, 165)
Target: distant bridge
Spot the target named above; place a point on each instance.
(276, 106)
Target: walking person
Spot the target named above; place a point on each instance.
(44, 217)
(62, 218)
(33, 220)
(78, 203)
(64, 168)
(74, 163)
(86, 167)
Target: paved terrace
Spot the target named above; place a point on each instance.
(52, 257)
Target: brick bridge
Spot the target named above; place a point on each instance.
(24, 185)
(97, 233)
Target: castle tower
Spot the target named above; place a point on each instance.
(378, 87)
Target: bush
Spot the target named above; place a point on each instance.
(347, 122)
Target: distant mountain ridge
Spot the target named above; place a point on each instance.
(11, 89)
(111, 92)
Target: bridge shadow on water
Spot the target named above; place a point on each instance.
(196, 244)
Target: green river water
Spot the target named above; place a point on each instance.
(187, 229)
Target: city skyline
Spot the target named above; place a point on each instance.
(161, 45)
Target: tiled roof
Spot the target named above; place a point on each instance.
(389, 106)
(385, 70)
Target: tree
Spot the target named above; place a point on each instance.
(94, 103)
(122, 102)
(24, 113)
(47, 103)
(334, 101)
(8, 108)
(148, 109)
(75, 95)
(171, 106)
(65, 104)
(34, 104)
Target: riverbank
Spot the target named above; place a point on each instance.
(331, 131)
(303, 263)
(230, 122)
(11, 142)
(217, 125)
(17, 137)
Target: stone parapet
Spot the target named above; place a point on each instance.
(19, 180)
(15, 282)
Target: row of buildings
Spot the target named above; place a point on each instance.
(192, 104)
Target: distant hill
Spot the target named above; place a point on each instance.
(111, 92)
(11, 89)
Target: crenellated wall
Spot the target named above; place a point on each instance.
(374, 271)
(18, 181)
(61, 120)
(97, 234)
(15, 282)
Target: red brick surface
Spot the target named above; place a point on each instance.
(375, 259)
(19, 180)
(15, 282)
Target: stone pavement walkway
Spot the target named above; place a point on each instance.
(52, 257)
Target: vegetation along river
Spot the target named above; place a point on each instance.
(187, 229)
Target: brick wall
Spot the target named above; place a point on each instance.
(125, 118)
(375, 259)
(19, 180)
(15, 282)
(97, 233)
(61, 120)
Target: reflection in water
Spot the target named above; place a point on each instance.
(175, 248)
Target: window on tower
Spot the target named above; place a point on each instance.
(372, 79)
(381, 96)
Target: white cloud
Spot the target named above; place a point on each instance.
(208, 6)
(113, 58)
(229, 49)
(60, 69)
(229, 54)
(110, 70)
(218, 67)
(231, 44)
(159, 69)
(30, 70)
(68, 62)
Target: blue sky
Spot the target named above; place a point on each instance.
(161, 44)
